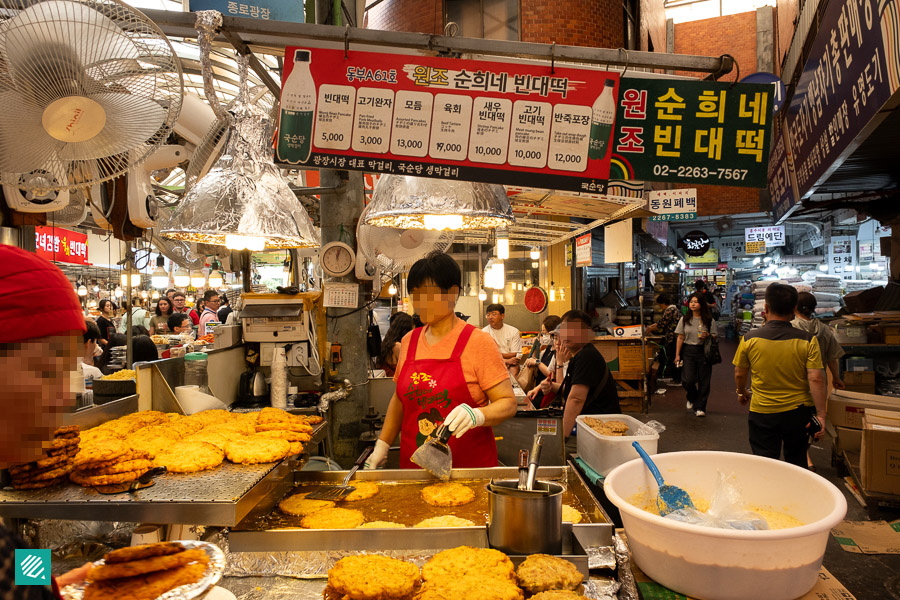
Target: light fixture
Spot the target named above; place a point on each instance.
(96, 288)
(757, 260)
(422, 203)
(144, 294)
(135, 279)
(552, 293)
(823, 268)
(245, 203)
(767, 259)
(190, 299)
(155, 295)
(159, 278)
(181, 278)
(535, 253)
(535, 265)
(502, 244)
(482, 295)
(198, 279)
(82, 290)
(215, 280)
(118, 292)
(495, 274)
(496, 298)
(92, 304)
(392, 290)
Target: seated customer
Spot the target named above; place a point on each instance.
(588, 386)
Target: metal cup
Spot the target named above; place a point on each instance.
(525, 522)
(146, 534)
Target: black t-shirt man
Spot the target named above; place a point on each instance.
(588, 368)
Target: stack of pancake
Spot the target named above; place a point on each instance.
(53, 466)
(372, 577)
(470, 573)
(550, 578)
(108, 461)
(145, 572)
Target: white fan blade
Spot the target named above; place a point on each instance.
(24, 145)
(130, 122)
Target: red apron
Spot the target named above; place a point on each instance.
(429, 389)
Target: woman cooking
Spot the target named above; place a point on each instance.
(447, 367)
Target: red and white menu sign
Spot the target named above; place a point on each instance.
(448, 118)
(61, 245)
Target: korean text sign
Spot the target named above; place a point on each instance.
(447, 118)
(772, 236)
(782, 177)
(673, 205)
(852, 70)
(290, 11)
(583, 251)
(61, 245)
(692, 132)
(842, 257)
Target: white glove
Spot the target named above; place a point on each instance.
(463, 418)
(378, 456)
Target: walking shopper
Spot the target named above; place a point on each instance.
(666, 327)
(788, 386)
(693, 330)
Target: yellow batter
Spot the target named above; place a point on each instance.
(776, 519)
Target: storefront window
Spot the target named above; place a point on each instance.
(488, 19)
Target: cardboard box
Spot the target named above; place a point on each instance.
(890, 334)
(863, 300)
(848, 439)
(845, 408)
(879, 461)
(630, 358)
(860, 381)
(856, 363)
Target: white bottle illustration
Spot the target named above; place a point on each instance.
(603, 114)
(298, 109)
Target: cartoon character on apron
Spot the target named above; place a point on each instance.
(429, 389)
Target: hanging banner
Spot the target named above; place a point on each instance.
(842, 257)
(695, 243)
(290, 11)
(692, 132)
(755, 247)
(711, 256)
(673, 205)
(772, 236)
(852, 70)
(782, 178)
(583, 255)
(61, 245)
(469, 120)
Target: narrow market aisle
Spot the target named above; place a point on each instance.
(724, 428)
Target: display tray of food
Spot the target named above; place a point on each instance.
(401, 509)
(219, 466)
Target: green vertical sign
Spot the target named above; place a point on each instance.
(697, 132)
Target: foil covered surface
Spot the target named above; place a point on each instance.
(211, 576)
(601, 588)
(628, 586)
(601, 557)
(76, 540)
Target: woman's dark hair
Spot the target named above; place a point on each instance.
(93, 332)
(663, 299)
(103, 304)
(401, 324)
(551, 322)
(438, 268)
(705, 313)
(176, 320)
(137, 330)
(159, 313)
(143, 349)
(700, 285)
(806, 304)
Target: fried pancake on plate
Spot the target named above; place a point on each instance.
(210, 436)
(249, 451)
(299, 506)
(300, 427)
(570, 514)
(142, 551)
(88, 480)
(285, 434)
(382, 525)
(445, 521)
(558, 595)
(469, 588)
(333, 518)
(542, 572)
(100, 450)
(144, 587)
(119, 467)
(373, 577)
(447, 494)
(190, 457)
(462, 561)
(364, 490)
(147, 565)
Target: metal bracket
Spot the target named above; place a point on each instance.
(346, 41)
(553, 58)
(625, 70)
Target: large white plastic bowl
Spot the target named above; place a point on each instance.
(719, 564)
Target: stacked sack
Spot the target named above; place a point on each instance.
(53, 466)
(827, 290)
(858, 285)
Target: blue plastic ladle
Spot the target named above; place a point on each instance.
(670, 498)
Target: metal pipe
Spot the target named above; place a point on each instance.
(129, 318)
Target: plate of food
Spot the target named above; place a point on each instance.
(177, 570)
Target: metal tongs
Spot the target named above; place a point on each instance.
(526, 485)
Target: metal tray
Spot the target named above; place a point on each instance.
(219, 497)
(254, 534)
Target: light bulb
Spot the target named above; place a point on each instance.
(443, 221)
(392, 290)
(482, 295)
(198, 279)
(535, 254)
(181, 278)
(215, 279)
(144, 294)
(190, 299)
(552, 295)
(159, 279)
(245, 242)
(535, 265)
(823, 268)
(82, 290)
(96, 288)
(92, 304)
(155, 295)
(118, 293)
(502, 245)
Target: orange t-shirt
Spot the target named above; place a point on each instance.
(482, 364)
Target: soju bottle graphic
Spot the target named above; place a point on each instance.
(298, 109)
(603, 113)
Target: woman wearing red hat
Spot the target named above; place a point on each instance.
(37, 357)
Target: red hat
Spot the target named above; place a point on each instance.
(36, 299)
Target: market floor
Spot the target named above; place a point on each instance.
(868, 577)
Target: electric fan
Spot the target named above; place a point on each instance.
(393, 251)
(87, 85)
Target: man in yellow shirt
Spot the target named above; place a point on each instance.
(788, 383)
